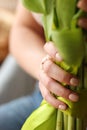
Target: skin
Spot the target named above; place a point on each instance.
(83, 21)
(27, 42)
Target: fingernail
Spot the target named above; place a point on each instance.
(58, 57)
(74, 81)
(73, 97)
(62, 107)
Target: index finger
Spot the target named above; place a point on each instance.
(52, 51)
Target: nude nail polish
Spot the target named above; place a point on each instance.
(74, 81)
(73, 97)
(62, 107)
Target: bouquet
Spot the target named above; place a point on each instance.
(60, 26)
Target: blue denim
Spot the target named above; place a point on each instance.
(14, 113)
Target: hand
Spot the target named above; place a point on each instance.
(82, 22)
(52, 75)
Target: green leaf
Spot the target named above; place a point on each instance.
(41, 118)
(47, 23)
(48, 18)
(49, 4)
(39, 6)
(35, 5)
(65, 11)
(70, 45)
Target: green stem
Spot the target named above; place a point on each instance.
(85, 124)
(85, 86)
(79, 124)
(71, 123)
(65, 121)
(85, 76)
(59, 124)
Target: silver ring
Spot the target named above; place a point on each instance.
(47, 57)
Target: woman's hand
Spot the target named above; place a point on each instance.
(82, 22)
(52, 75)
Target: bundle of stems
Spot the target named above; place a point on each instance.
(60, 26)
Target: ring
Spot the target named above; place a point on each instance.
(47, 57)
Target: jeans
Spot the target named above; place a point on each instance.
(14, 113)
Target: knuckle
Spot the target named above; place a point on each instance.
(47, 66)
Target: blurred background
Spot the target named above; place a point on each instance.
(7, 12)
(14, 82)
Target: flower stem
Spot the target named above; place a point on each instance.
(71, 123)
(65, 121)
(79, 124)
(59, 124)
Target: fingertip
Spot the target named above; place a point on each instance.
(52, 51)
(62, 107)
(79, 3)
(73, 97)
(74, 81)
(82, 22)
(58, 57)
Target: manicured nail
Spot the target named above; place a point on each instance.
(73, 97)
(58, 57)
(62, 107)
(74, 81)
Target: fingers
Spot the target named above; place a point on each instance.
(52, 51)
(82, 4)
(82, 22)
(50, 98)
(55, 71)
(51, 76)
(57, 88)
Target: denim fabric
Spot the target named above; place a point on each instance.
(14, 113)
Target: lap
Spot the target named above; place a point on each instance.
(14, 113)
